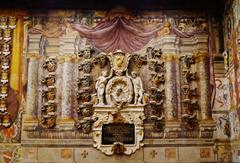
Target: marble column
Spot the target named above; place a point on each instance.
(59, 78)
(66, 103)
(32, 88)
(169, 109)
(203, 74)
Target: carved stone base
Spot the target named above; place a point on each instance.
(207, 128)
(131, 114)
(171, 129)
(66, 124)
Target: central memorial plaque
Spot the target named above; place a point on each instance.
(124, 133)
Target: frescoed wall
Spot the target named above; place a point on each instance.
(67, 74)
(231, 41)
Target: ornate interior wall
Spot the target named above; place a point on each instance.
(96, 86)
(232, 59)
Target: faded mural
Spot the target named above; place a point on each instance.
(231, 43)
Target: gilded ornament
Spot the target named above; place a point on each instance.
(85, 125)
(193, 92)
(119, 62)
(6, 49)
(190, 121)
(157, 94)
(49, 94)
(194, 105)
(156, 65)
(188, 60)
(86, 66)
(154, 53)
(3, 89)
(50, 64)
(49, 80)
(3, 104)
(101, 59)
(139, 60)
(118, 118)
(6, 119)
(49, 108)
(86, 52)
(86, 109)
(118, 148)
(84, 95)
(85, 81)
(7, 35)
(5, 64)
(166, 29)
(4, 76)
(48, 121)
(189, 77)
(12, 22)
(157, 79)
(3, 22)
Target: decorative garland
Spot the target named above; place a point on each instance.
(7, 25)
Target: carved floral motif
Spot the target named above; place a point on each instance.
(119, 89)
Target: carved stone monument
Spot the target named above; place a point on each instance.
(119, 110)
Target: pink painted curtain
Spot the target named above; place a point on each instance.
(118, 33)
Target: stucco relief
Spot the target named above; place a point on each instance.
(119, 101)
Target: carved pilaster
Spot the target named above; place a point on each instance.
(206, 124)
(204, 100)
(66, 104)
(172, 125)
(31, 104)
(169, 101)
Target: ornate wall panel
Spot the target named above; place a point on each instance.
(113, 82)
(231, 41)
(88, 71)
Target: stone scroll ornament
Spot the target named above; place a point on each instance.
(7, 25)
(155, 108)
(49, 108)
(189, 93)
(119, 103)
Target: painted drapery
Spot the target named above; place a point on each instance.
(118, 33)
(125, 34)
